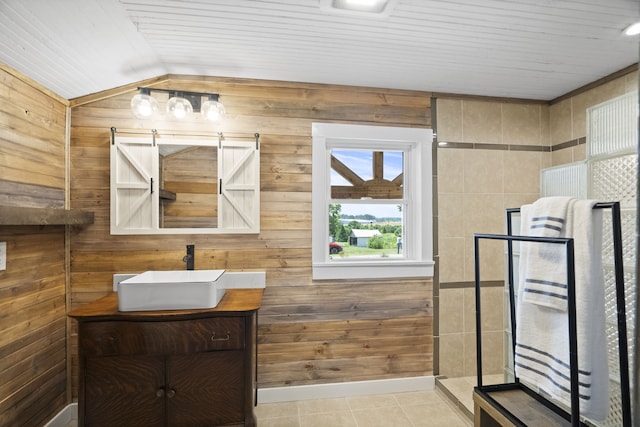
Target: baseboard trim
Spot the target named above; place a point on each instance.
(64, 417)
(354, 388)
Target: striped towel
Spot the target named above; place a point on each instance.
(549, 216)
(545, 280)
(542, 338)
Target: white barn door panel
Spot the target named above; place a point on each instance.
(133, 195)
(239, 173)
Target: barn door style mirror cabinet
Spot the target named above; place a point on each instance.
(172, 184)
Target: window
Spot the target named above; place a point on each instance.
(372, 196)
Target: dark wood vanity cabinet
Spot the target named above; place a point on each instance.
(168, 368)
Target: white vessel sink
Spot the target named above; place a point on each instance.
(171, 290)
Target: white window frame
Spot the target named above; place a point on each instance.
(418, 219)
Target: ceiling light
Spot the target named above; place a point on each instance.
(633, 29)
(212, 110)
(363, 3)
(373, 6)
(368, 7)
(180, 104)
(143, 105)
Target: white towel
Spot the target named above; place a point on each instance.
(545, 282)
(542, 338)
(549, 215)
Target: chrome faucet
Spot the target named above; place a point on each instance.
(189, 258)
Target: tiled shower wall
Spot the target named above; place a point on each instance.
(492, 160)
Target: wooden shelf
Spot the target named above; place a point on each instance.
(167, 195)
(13, 215)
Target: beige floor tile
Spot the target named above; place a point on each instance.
(431, 416)
(273, 410)
(418, 398)
(279, 422)
(306, 407)
(373, 401)
(332, 419)
(382, 417)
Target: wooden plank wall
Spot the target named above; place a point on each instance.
(309, 332)
(33, 373)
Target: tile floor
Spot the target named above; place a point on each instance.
(413, 409)
(450, 405)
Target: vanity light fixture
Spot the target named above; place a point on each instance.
(179, 105)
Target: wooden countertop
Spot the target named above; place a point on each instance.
(234, 301)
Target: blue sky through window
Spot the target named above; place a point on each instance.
(361, 163)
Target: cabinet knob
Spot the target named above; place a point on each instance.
(160, 392)
(227, 338)
(171, 393)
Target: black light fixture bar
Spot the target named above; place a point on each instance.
(195, 98)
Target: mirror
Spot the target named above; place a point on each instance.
(163, 185)
(188, 186)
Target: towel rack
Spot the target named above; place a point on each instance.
(486, 391)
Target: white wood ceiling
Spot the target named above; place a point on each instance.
(536, 49)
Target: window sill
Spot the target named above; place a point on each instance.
(373, 269)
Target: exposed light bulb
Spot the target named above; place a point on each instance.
(145, 109)
(143, 105)
(212, 110)
(179, 107)
(213, 115)
(179, 111)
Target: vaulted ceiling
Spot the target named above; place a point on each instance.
(535, 49)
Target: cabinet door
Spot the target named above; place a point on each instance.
(239, 172)
(205, 389)
(134, 204)
(124, 391)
